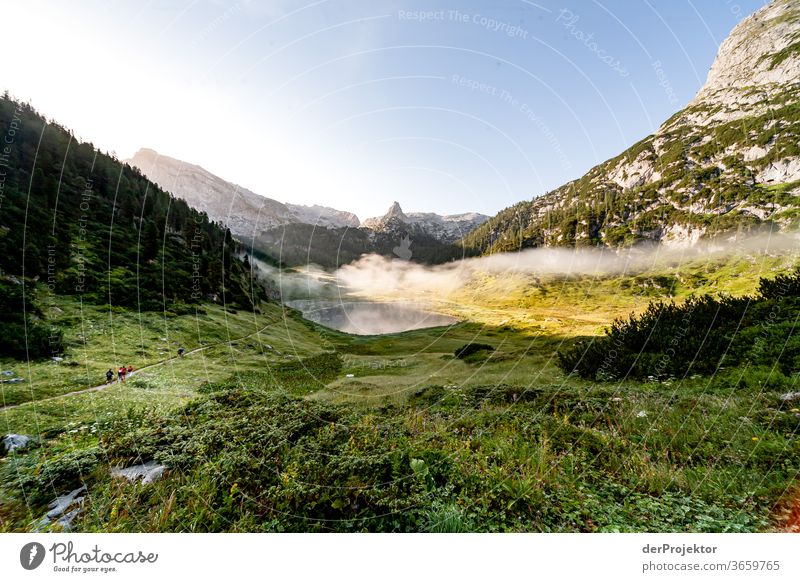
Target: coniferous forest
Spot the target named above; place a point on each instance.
(79, 222)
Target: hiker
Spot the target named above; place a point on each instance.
(180, 352)
(109, 376)
(130, 370)
(121, 373)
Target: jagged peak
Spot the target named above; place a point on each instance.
(395, 211)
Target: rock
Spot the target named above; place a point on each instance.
(64, 502)
(789, 396)
(15, 442)
(7, 373)
(57, 359)
(12, 381)
(148, 472)
(780, 172)
(637, 173)
(641, 414)
(63, 509)
(350, 376)
(745, 58)
(65, 521)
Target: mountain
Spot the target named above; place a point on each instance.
(446, 229)
(323, 216)
(728, 161)
(75, 221)
(296, 235)
(244, 212)
(419, 237)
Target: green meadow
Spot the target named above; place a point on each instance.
(273, 423)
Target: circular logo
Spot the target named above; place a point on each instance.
(31, 555)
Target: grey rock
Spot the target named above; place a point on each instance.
(14, 442)
(65, 521)
(12, 381)
(789, 396)
(64, 509)
(62, 503)
(148, 472)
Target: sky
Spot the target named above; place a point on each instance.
(444, 106)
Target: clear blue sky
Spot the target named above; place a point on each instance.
(443, 106)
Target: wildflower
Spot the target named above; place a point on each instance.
(754, 439)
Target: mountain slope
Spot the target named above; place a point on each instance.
(729, 160)
(296, 235)
(323, 216)
(74, 221)
(446, 229)
(244, 212)
(416, 236)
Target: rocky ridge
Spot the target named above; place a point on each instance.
(447, 229)
(243, 211)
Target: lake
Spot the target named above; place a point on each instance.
(370, 317)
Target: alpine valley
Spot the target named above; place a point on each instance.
(181, 354)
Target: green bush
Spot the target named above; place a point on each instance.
(699, 336)
(472, 348)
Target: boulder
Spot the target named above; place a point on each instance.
(64, 509)
(148, 472)
(14, 442)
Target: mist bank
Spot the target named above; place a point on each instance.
(374, 275)
(378, 276)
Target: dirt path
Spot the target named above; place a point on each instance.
(142, 369)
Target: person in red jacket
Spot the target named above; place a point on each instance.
(121, 373)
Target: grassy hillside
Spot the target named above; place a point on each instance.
(330, 432)
(82, 224)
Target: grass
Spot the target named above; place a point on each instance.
(225, 342)
(327, 431)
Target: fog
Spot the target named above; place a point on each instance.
(378, 277)
(374, 275)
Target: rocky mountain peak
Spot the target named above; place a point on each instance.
(762, 51)
(444, 228)
(395, 212)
